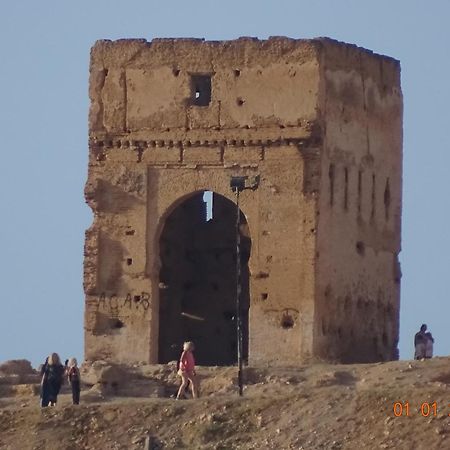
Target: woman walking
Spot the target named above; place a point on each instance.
(187, 371)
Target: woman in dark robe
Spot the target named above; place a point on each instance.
(52, 379)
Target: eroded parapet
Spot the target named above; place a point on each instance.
(166, 84)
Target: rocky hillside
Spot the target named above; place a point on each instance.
(397, 405)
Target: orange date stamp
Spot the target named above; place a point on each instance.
(425, 409)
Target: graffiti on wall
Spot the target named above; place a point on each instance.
(132, 301)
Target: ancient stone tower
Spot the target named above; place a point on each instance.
(319, 124)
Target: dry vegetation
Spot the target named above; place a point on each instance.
(317, 406)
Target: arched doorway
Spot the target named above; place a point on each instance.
(198, 280)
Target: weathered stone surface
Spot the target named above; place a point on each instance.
(110, 379)
(104, 373)
(26, 378)
(19, 390)
(16, 367)
(318, 124)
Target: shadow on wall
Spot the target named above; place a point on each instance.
(113, 199)
(110, 267)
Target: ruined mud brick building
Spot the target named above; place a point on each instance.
(320, 123)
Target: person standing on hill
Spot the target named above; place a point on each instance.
(187, 371)
(420, 340)
(52, 379)
(429, 345)
(73, 376)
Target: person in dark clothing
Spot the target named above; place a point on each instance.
(73, 375)
(52, 379)
(420, 340)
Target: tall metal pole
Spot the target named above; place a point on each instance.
(238, 294)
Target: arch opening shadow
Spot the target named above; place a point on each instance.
(198, 281)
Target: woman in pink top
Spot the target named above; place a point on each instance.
(187, 371)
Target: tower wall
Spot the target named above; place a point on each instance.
(175, 117)
(358, 233)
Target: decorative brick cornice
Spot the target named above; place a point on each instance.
(169, 143)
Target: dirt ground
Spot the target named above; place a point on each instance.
(319, 406)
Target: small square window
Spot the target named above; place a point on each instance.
(201, 90)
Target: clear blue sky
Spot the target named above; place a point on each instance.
(44, 56)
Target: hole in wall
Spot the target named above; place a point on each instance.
(373, 198)
(360, 248)
(116, 323)
(129, 232)
(176, 72)
(208, 199)
(201, 90)
(331, 180)
(387, 199)
(129, 261)
(287, 322)
(261, 275)
(346, 189)
(240, 101)
(359, 191)
(137, 298)
(237, 73)
(264, 296)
